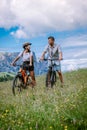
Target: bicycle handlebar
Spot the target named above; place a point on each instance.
(16, 65)
(45, 59)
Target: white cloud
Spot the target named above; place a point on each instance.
(19, 34)
(82, 53)
(75, 41)
(74, 64)
(74, 47)
(38, 17)
(75, 53)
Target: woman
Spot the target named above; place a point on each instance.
(27, 57)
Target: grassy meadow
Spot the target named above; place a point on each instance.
(41, 109)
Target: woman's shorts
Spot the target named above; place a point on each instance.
(26, 66)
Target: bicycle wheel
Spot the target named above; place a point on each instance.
(17, 84)
(29, 80)
(53, 78)
(48, 83)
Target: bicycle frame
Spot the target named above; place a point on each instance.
(23, 72)
(19, 81)
(52, 65)
(51, 72)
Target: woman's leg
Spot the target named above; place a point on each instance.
(33, 77)
(25, 79)
(23, 72)
(24, 75)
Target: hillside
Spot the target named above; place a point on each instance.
(5, 76)
(41, 109)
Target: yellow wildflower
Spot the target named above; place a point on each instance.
(65, 128)
(7, 111)
(30, 128)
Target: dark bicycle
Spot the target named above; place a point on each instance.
(18, 81)
(51, 74)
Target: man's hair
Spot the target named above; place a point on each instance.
(51, 37)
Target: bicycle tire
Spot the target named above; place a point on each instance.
(48, 78)
(17, 84)
(53, 78)
(29, 81)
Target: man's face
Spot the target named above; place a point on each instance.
(51, 42)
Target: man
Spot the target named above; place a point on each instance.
(54, 51)
(28, 65)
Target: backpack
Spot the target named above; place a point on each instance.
(34, 57)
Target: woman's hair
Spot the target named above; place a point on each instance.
(26, 44)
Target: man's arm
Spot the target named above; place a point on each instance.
(44, 52)
(43, 55)
(60, 56)
(60, 53)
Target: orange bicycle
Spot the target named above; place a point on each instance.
(18, 81)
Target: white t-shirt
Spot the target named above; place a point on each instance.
(25, 56)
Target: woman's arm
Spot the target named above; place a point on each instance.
(31, 60)
(14, 61)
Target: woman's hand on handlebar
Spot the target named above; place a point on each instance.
(13, 64)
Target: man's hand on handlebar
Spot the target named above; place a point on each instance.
(60, 58)
(45, 59)
(42, 58)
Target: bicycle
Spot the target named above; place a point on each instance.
(18, 81)
(51, 74)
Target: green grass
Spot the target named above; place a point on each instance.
(5, 76)
(40, 109)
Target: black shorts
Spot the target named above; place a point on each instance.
(26, 66)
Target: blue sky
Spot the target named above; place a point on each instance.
(34, 21)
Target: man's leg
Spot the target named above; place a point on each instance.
(60, 76)
(33, 77)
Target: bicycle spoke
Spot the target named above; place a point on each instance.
(17, 85)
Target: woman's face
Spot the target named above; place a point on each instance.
(27, 47)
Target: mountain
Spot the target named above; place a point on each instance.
(6, 58)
